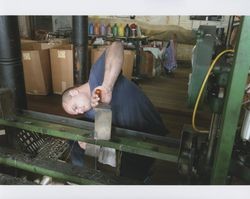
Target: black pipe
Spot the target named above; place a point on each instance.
(80, 42)
(11, 68)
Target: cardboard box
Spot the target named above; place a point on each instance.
(146, 64)
(128, 63)
(36, 66)
(23, 41)
(62, 68)
(59, 41)
(34, 44)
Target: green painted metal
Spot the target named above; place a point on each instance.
(59, 170)
(131, 145)
(215, 104)
(220, 79)
(44, 171)
(202, 56)
(232, 106)
(85, 125)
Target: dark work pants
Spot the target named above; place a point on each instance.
(76, 154)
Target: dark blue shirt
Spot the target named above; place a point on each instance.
(131, 109)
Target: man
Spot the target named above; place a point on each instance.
(131, 109)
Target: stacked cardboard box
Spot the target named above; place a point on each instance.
(50, 65)
(146, 64)
(36, 65)
(62, 68)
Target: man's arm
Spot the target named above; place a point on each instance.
(113, 67)
(113, 64)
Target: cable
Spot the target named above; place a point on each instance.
(203, 86)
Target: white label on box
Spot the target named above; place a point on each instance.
(61, 54)
(26, 56)
(2, 132)
(64, 84)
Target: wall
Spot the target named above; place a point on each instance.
(182, 21)
(163, 27)
(24, 26)
(61, 22)
(159, 27)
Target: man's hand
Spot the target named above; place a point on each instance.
(106, 96)
(82, 144)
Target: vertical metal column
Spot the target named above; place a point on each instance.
(212, 136)
(229, 30)
(11, 69)
(232, 106)
(80, 41)
(137, 59)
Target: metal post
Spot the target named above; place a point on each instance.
(232, 106)
(212, 136)
(80, 41)
(229, 30)
(11, 69)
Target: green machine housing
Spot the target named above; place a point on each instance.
(201, 59)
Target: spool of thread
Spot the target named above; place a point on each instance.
(103, 30)
(120, 30)
(96, 29)
(115, 30)
(109, 30)
(91, 29)
(133, 29)
(127, 31)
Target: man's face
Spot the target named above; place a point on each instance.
(78, 104)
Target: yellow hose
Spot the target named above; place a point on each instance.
(202, 88)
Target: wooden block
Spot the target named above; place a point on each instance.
(103, 121)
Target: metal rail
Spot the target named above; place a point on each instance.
(59, 170)
(169, 141)
(136, 145)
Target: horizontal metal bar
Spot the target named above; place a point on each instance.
(131, 145)
(169, 141)
(59, 170)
